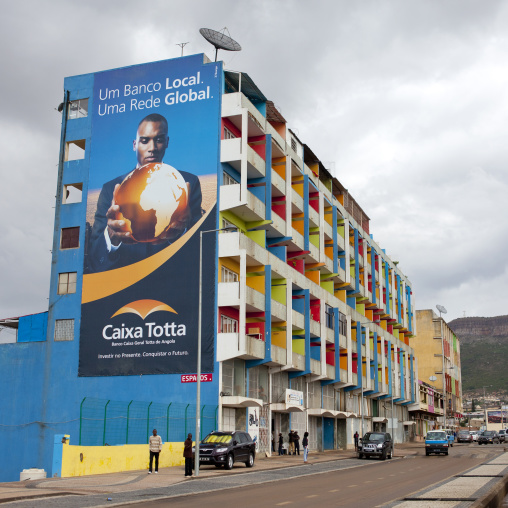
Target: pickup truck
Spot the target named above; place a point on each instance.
(436, 441)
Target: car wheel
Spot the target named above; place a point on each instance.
(383, 455)
(250, 460)
(360, 455)
(446, 453)
(390, 455)
(218, 466)
(427, 453)
(229, 462)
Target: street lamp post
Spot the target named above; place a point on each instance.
(198, 375)
(485, 407)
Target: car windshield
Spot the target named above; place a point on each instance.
(463, 433)
(488, 433)
(436, 435)
(372, 436)
(218, 438)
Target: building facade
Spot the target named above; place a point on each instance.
(306, 321)
(438, 351)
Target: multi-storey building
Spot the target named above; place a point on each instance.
(306, 320)
(438, 351)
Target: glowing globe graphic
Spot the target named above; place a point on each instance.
(153, 200)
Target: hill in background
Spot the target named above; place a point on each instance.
(483, 352)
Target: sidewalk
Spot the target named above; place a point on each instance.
(136, 480)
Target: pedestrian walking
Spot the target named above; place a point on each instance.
(281, 442)
(296, 441)
(155, 445)
(356, 437)
(187, 453)
(305, 444)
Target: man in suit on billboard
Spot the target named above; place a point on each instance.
(111, 242)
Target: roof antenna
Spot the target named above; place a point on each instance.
(182, 44)
(220, 40)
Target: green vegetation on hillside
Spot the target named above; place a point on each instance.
(484, 363)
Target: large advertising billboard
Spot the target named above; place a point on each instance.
(152, 189)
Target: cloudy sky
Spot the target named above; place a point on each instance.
(406, 101)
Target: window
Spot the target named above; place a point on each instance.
(75, 150)
(228, 325)
(227, 224)
(228, 134)
(329, 316)
(67, 283)
(77, 109)
(72, 193)
(293, 144)
(227, 179)
(64, 329)
(228, 275)
(342, 324)
(69, 238)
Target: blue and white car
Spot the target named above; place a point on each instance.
(436, 441)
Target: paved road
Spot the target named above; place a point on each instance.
(355, 483)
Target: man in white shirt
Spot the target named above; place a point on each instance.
(155, 445)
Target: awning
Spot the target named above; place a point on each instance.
(342, 414)
(282, 407)
(327, 413)
(409, 423)
(380, 419)
(237, 401)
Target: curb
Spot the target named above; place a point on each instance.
(494, 498)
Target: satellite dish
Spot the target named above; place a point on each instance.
(441, 310)
(432, 378)
(220, 40)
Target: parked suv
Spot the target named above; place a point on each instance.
(502, 435)
(489, 436)
(376, 444)
(464, 437)
(222, 448)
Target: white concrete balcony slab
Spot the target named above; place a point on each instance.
(296, 203)
(228, 294)
(328, 231)
(277, 228)
(229, 244)
(228, 347)
(315, 328)
(330, 371)
(279, 183)
(313, 218)
(237, 401)
(251, 209)
(330, 335)
(298, 361)
(297, 239)
(255, 301)
(315, 366)
(314, 253)
(298, 320)
(278, 355)
(279, 311)
(342, 341)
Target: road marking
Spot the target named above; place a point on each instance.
(350, 486)
(313, 495)
(334, 490)
(367, 481)
(283, 503)
(382, 478)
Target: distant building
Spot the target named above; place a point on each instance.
(303, 311)
(437, 349)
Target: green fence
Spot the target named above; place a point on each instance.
(112, 422)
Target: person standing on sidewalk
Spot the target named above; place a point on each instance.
(155, 445)
(281, 442)
(296, 441)
(187, 453)
(356, 437)
(291, 450)
(305, 444)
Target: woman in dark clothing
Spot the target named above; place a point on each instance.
(281, 440)
(187, 453)
(305, 444)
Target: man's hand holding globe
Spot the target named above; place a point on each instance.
(150, 205)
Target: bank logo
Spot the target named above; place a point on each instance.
(143, 308)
